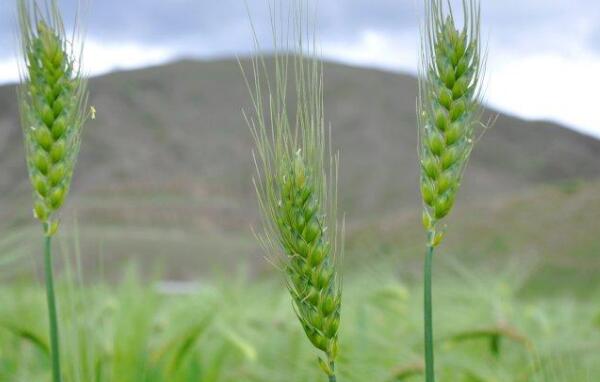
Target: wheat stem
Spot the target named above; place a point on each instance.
(52, 316)
(450, 83)
(332, 377)
(52, 101)
(428, 315)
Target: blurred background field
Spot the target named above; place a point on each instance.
(162, 279)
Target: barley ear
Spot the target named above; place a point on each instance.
(450, 84)
(296, 183)
(52, 100)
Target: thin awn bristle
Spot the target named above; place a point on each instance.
(450, 87)
(53, 105)
(296, 183)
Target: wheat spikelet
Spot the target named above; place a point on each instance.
(450, 77)
(296, 192)
(449, 103)
(52, 100)
(303, 233)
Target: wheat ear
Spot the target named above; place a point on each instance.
(52, 101)
(450, 78)
(296, 187)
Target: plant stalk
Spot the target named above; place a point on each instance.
(52, 317)
(428, 313)
(332, 377)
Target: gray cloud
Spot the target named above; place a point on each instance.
(7, 32)
(159, 19)
(221, 27)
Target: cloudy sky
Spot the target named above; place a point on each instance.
(544, 55)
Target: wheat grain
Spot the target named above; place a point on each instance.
(450, 84)
(296, 192)
(52, 100)
(450, 77)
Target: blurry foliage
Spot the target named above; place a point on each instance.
(244, 331)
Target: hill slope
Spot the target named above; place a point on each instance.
(169, 148)
(180, 126)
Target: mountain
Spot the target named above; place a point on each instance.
(169, 150)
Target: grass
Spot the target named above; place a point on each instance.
(218, 330)
(540, 286)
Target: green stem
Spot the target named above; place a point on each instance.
(332, 377)
(55, 352)
(428, 313)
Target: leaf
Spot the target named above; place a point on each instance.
(246, 348)
(27, 335)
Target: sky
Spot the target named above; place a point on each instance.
(543, 55)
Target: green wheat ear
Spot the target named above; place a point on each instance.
(450, 84)
(296, 187)
(52, 99)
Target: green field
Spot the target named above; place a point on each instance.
(161, 279)
(237, 329)
(512, 302)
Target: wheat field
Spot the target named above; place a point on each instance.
(265, 218)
